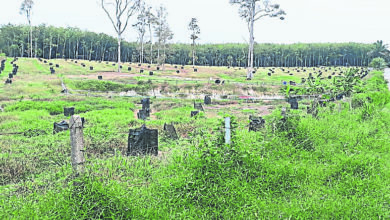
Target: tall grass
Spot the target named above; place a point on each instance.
(332, 166)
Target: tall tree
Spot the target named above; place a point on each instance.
(195, 31)
(150, 21)
(140, 26)
(163, 33)
(379, 50)
(251, 11)
(121, 11)
(72, 42)
(26, 9)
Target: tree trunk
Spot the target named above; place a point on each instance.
(43, 47)
(158, 53)
(104, 52)
(251, 44)
(50, 47)
(142, 50)
(36, 47)
(83, 52)
(58, 45)
(163, 61)
(90, 52)
(63, 49)
(119, 53)
(193, 53)
(69, 53)
(151, 45)
(22, 50)
(31, 44)
(77, 49)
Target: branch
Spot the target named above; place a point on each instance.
(124, 9)
(259, 11)
(109, 16)
(261, 16)
(130, 13)
(272, 14)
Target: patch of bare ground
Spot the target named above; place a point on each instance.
(237, 108)
(161, 106)
(106, 75)
(225, 103)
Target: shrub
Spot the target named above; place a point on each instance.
(378, 63)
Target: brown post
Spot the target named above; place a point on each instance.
(77, 143)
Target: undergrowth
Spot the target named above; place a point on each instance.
(334, 165)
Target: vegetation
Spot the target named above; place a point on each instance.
(252, 11)
(378, 63)
(73, 43)
(316, 145)
(380, 50)
(119, 12)
(26, 9)
(193, 26)
(333, 164)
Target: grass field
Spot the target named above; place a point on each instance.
(332, 165)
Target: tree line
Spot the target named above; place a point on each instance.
(72, 43)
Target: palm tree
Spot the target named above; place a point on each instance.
(380, 50)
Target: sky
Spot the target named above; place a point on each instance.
(306, 21)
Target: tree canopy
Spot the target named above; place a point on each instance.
(73, 43)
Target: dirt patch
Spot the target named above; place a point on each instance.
(237, 108)
(225, 103)
(262, 110)
(161, 106)
(106, 75)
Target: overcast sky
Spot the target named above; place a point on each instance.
(306, 20)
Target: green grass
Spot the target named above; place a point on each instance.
(332, 166)
(39, 68)
(187, 81)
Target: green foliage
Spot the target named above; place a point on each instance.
(207, 54)
(378, 63)
(105, 86)
(288, 88)
(57, 107)
(347, 84)
(97, 85)
(90, 198)
(332, 166)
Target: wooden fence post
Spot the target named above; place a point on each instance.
(77, 143)
(227, 131)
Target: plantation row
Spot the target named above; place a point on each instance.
(50, 42)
